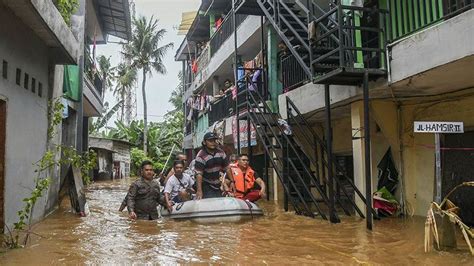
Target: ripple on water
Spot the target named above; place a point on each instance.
(108, 237)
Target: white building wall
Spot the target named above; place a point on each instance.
(443, 43)
(27, 121)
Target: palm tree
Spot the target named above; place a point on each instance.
(145, 53)
(176, 98)
(106, 72)
(125, 79)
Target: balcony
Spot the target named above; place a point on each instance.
(217, 55)
(437, 59)
(216, 41)
(92, 89)
(224, 32)
(408, 17)
(45, 21)
(221, 109)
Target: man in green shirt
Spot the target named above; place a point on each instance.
(144, 195)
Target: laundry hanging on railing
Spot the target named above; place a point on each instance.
(198, 103)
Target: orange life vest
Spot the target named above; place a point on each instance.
(243, 183)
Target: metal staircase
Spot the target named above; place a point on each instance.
(339, 44)
(303, 189)
(305, 136)
(336, 45)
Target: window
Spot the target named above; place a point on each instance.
(40, 89)
(33, 85)
(18, 76)
(5, 69)
(26, 81)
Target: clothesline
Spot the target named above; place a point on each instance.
(445, 148)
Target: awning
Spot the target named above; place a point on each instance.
(187, 19)
(115, 18)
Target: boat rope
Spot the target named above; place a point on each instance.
(250, 207)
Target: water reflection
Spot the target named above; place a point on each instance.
(108, 237)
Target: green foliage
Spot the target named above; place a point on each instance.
(55, 108)
(85, 161)
(161, 136)
(102, 121)
(41, 185)
(67, 8)
(145, 53)
(144, 50)
(126, 78)
(105, 71)
(137, 156)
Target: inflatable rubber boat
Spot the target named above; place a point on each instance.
(214, 210)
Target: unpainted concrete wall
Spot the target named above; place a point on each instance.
(27, 121)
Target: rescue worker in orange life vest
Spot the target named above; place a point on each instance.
(245, 179)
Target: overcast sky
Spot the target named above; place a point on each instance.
(159, 87)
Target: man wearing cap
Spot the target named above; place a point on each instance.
(210, 162)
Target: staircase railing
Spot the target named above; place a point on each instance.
(261, 116)
(292, 74)
(327, 40)
(274, 16)
(309, 139)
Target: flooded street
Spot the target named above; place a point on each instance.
(108, 237)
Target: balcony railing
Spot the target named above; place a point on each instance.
(409, 16)
(217, 39)
(221, 109)
(454, 7)
(90, 70)
(293, 75)
(224, 32)
(188, 129)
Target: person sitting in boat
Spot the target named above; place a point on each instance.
(144, 195)
(245, 179)
(210, 162)
(179, 187)
(188, 169)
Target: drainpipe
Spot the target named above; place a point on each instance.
(402, 162)
(80, 35)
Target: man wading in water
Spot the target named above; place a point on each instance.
(209, 163)
(144, 195)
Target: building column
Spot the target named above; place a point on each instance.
(358, 150)
(215, 85)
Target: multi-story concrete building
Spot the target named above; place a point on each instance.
(414, 57)
(36, 48)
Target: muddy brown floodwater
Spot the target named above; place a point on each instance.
(108, 237)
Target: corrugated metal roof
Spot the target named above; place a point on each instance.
(115, 17)
(187, 19)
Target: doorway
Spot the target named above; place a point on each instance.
(457, 167)
(3, 119)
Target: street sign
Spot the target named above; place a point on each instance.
(438, 127)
